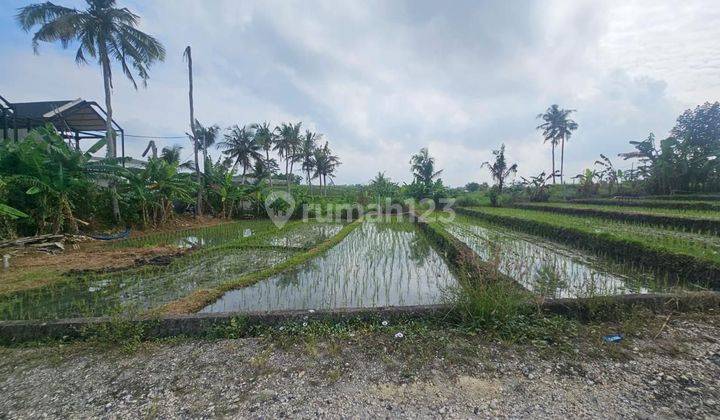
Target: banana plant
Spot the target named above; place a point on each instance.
(53, 175)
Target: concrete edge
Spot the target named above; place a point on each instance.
(200, 324)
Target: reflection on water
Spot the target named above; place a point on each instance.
(378, 264)
(549, 269)
(139, 289)
(306, 235)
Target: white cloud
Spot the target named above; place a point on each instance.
(383, 79)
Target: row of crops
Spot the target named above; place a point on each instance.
(554, 250)
(220, 254)
(671, 240)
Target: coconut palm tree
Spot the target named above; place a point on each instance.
(240, 145)
(104, 33)
(207, 137)
(557, 128)
(287, 142)
(307, 153)
(325, 165)
(265, 137)
(423, 168)
(171, 154)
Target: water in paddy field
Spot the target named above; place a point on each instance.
(378, 264)
(139, 289)
(548, 268)
(197, 237)
(306, 235)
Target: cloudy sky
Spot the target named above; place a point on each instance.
(381, 79)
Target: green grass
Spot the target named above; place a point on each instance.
(689, 214)
(228, 255)
(683, 220)
(683, 197)
(666, 204)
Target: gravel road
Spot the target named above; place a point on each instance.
(434, 374)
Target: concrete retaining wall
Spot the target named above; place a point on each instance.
(201, 324)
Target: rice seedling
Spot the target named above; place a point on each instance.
(685, 256)
(378, 264)
(549, 269)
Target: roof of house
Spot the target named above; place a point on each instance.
(69, 115)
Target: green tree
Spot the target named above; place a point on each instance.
(499, 171)
(325, 165)
(207, 137)
(382, 187)
(104, 33)
(265, 137)
(241, 146)
(307, 152)
(557, 128)
(287, 143)
(422, 166)
(472, 187)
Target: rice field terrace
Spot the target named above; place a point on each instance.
(711, 205)
(549, 269)
(378, 264)
(688, 256)
(682, 197)
(698, 221)
(254, 266)
(219, 254)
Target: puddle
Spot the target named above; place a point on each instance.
(378, 264)
(137, 290)
(548, 268)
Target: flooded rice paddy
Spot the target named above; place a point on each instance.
(547, 268)
(223, 253)
(378, 264)
(133, 291)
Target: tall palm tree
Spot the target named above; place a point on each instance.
(287, 142)
(423, 167)
(557, 128)
(307, 152)
(104, 32)
(265, 137)
(325, 165)
(241, 146)
(207, 136)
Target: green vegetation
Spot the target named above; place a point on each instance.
(203, 297)
(380, 264)
(557, 128)
(677, 220)
(220, 254)
(499, 171)
(691, 257)
(105, 33)
(675, 204)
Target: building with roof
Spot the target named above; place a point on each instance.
(75, 120)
